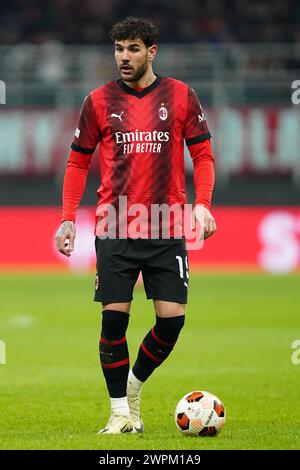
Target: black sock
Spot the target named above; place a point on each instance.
(113, 350)
(157, 345)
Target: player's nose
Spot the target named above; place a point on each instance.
(125, 56)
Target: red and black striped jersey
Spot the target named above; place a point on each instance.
(141, 135)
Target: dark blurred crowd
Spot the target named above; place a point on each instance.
(89, 21)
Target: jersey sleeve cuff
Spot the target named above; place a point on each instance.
(66, 218)
(206, 204)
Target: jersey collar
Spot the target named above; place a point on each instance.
(139, 94)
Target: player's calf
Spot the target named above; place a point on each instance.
(114, 359)
(157, 345)
(155, 348)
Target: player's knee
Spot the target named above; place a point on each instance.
(114, 324)
(168, 329)
(123, 307)
(168, 309)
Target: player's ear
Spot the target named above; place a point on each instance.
(152, 50)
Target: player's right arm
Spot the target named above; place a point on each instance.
(86, 138)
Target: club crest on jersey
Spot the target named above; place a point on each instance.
(163, 112)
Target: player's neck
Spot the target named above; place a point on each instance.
(146, 80)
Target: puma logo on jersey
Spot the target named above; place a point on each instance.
(118, 116)
(201, 117)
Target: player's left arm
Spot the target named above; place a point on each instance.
(197, 136)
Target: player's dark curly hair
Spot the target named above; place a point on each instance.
(135, 28)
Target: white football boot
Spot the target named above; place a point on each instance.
(134, 403)
(118, 424)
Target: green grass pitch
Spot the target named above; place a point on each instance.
(236, 343)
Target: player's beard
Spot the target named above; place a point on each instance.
(136, 74)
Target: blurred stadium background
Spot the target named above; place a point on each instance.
(242, 57)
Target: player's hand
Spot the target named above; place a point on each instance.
(65, 237)
(207, 223)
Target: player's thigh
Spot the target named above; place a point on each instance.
(165, 309)
(117, 272)
(166, 275)
(119, 307)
